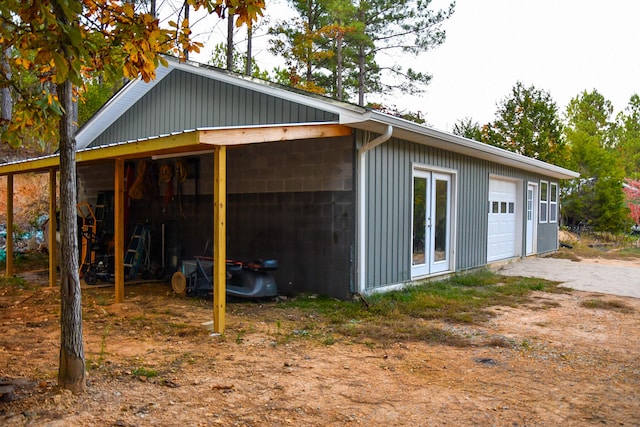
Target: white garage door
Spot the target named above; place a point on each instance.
(502, 220)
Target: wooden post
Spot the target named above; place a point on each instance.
(53, 241)
(118, 256)
(9, 249)
(219, 237)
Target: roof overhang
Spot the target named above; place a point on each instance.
(403, 129)
(188, 142)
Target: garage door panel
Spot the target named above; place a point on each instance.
(501, 239)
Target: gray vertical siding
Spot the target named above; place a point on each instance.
(191, 101)
(389, 208)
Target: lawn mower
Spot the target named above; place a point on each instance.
(243, 279)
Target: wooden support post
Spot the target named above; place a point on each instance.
(118, 256)
(9, 240)
(219, 237)
(53, 241)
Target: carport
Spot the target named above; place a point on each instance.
(190, 142)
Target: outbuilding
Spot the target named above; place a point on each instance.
(347, 199)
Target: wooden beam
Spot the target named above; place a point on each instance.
(219, 238)
(254, 135)
(185, 142)
(9, 239)
(118, 256)
(36, 165)
(181, 142)
(53, 241)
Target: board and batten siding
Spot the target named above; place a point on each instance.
(189, 101)
(388, 208)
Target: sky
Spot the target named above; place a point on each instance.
(560, 46)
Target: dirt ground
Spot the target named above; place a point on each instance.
(152, 362)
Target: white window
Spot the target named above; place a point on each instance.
(553, 202)
(544, 201)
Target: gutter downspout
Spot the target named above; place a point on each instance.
(362, 199)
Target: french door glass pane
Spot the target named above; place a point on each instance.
(419, 219)
(440, 238)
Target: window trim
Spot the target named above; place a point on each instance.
(553, 205)
(543, 212)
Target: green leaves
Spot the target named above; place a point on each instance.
(527, 122)
(596, 198)
(334, 45)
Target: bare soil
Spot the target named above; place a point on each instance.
(151, 361)
(30, 200)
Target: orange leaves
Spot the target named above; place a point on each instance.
(88, 38)
(127, 9)
(23, 62)
(246, 11)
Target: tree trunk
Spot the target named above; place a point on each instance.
(71, 374)
(7, 100)
(339, 67)
(230, 41)
(249, 47)
(186, 16)
(361, 71)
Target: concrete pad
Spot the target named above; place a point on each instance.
(610, 277)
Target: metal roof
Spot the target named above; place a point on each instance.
(349, 114)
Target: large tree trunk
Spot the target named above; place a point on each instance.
(71, 374)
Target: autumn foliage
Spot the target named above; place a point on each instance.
(106, 38)
(632, 198)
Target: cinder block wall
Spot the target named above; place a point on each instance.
(294, 201)
(93, 179)
(291, 201)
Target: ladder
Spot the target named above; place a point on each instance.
(137, 249)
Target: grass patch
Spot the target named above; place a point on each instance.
(612, 305)
(16, 283)
(415, 312)
(630, 252)
(28, 262)
(144, 372)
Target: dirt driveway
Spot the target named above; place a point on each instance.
(615, 277)
(568, 359)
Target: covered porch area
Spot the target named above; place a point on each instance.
(191, 142)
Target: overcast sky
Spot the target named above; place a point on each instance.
(562, 46)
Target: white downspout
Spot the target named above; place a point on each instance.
(362, 199)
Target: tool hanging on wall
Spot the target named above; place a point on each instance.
(166, 176)
(182, 172)
(136, 191)
(143, 185)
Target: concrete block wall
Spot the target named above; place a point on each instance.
(291, 166)
(93, 179)
(310, 234)
(291, 201)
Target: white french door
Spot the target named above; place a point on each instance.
(431, 223)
